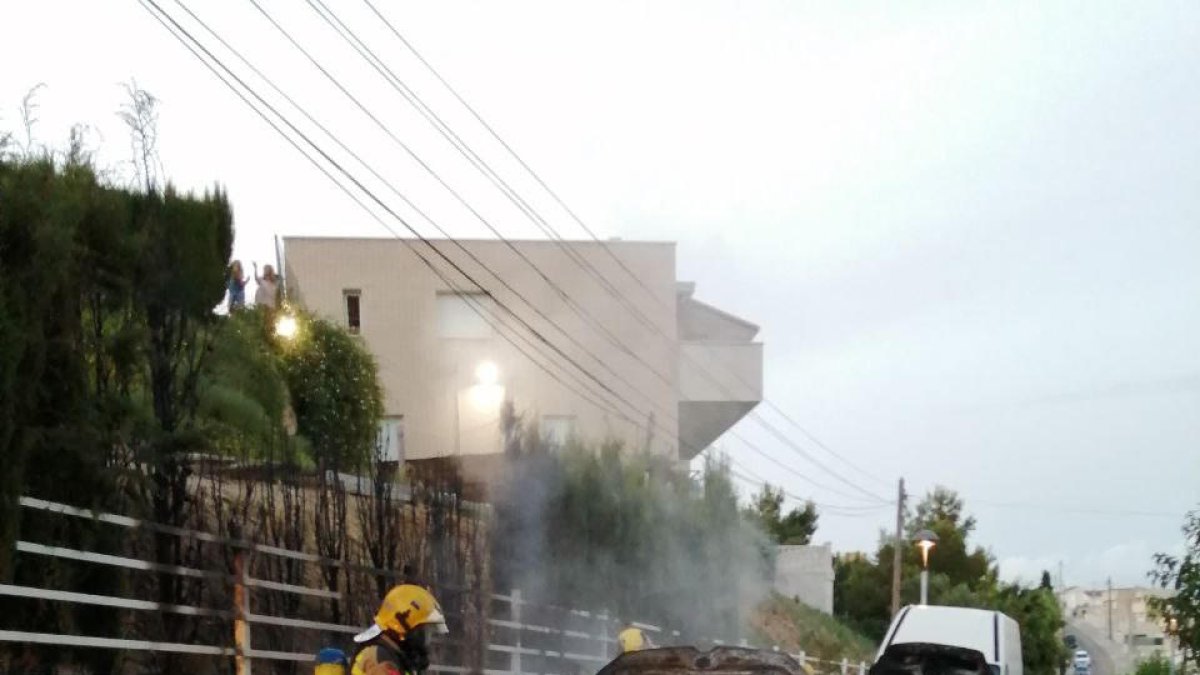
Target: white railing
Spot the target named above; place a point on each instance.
(577, 641)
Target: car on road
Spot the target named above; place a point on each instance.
(1082, 660)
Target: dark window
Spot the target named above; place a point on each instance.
(353, 311)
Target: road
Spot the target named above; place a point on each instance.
(1098, 647)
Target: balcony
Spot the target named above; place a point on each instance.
(720, 372)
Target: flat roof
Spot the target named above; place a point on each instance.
(496, 240)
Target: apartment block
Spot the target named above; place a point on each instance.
(589, 340)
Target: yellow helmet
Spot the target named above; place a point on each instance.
(404, 609)
(631, 640)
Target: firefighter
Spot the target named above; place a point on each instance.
(397, 643)
(632, 639)
(331, 661)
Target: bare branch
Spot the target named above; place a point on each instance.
(29, 108)
(140, 114)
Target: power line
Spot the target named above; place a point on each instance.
(429, 169)
(542, 315)
(480, 310)
(505, 145)
(587, 317)
(441, 254)
(398, 83)
(374, 198)
(478, 162)
(824, 509)
(1082, 510)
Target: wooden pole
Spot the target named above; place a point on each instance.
(897, 558)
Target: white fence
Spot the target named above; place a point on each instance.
(520, 637)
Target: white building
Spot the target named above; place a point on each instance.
(676, 373)
(1134, 628)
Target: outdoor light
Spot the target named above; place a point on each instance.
(926, 539)
(286, 326)
(487, 374)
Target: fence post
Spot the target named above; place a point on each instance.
(845, 665)
(515, 660)
(862, 668)
(602, 636)
(802, 658)
(241, 609)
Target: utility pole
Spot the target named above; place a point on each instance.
(897, 548)
(1110, 608)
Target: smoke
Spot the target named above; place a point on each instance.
(602, 529)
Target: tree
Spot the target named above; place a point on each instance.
(961, 575)
(601, 527)
(942, 511)
(243, 395)
(1180, 574)
(1038, 613)
(862, 593)
(1155, 664)
(1046, 583)
(796, 527)
(335, 391)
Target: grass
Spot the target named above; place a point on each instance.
(794, 627)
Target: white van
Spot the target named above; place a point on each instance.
(993, 635)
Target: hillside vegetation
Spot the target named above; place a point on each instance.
(794, 627)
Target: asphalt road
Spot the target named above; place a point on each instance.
(1102, 661)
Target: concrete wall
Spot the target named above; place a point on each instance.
(806, 573)
(430, 380)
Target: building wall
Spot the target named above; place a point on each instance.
(430, 380)
(1134, 629)
(806, 573)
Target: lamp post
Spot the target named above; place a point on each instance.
(926, 540)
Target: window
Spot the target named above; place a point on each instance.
(557, 429)
(390, 442)
(459, 316)
(353, 300)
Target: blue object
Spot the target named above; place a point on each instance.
(332, 655)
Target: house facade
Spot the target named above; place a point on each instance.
(587, 340)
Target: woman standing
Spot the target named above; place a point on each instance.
(267, 293)
(236, 285)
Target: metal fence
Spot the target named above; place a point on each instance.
(520, 637)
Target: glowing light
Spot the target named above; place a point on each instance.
(487, 373)
(286, 327)
(926, 539)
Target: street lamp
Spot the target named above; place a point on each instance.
(926, 540)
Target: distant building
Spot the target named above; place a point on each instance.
(445, 369)
(1134, 627)
(805, 573)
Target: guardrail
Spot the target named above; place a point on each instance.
(523, 638)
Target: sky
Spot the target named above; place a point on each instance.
(970, 232)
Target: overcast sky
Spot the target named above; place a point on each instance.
(969, 231)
